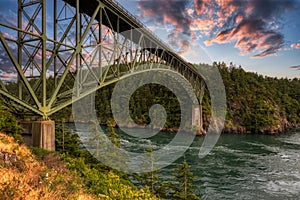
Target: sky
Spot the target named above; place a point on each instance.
(262, 36)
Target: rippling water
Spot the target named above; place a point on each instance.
(240, 166)
(250, 167)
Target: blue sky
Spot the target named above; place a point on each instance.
(262, 36)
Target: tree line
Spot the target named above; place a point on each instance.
(255, 103)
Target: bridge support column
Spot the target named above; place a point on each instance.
(197, 119)
(40, 134)
(43, 134)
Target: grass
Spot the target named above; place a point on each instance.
(37, 177)
(44, 175)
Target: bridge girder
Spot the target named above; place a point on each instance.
(78, 38)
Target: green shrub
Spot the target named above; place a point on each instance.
(9, 125)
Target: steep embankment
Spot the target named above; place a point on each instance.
(23, 176)
(44, 175)
(259, 104)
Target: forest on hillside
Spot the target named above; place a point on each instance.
(255, 103)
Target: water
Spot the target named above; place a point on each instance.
(250, 167)
(239, 167)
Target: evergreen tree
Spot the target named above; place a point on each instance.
(112, 135)
(66, 141)
(183, 186)
(9, 124)
(97, 140)
(150, 179)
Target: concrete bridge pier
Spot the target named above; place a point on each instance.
(197, 119)
(39, 133)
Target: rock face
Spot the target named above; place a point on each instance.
(283, 125)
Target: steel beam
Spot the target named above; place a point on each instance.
(77, 47)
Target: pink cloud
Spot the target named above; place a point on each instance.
(249, 37)
(295, 46)
(295, 67)
(239, 19)
(5, 76)
(202, 25)
(167, 12)
(248, 28)
(7, 35)
(246, 23)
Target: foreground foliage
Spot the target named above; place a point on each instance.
(25, 176)
(182, 188)
(98, 178)
(9, 125)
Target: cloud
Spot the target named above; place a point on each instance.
(8, 17)
(250, 35)
(5, 62)
(8, 12)
(253, 25)
(203, 25)
(295, 67)
(295, 46)
(8, 77)
(254, 29)
(167, 12)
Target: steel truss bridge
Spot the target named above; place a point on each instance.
(48, 42)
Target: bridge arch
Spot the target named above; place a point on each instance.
(53, 41)
(82, 36)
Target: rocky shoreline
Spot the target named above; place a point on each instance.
(268, 130)
(229, 128)
(282, 127)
